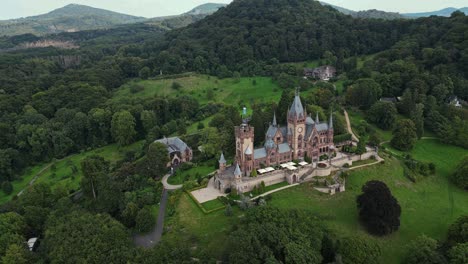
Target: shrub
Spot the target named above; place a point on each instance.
(228, 210)
(176, 86)
(460, 176)
(7, 187)
(136, 88)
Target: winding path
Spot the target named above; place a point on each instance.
(168, 186)
(348, 126)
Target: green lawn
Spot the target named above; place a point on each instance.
(243, 91)
(213, 204)
(205, 232)
(182, 176)
(63, 175)
(23, 182)
(428, 207)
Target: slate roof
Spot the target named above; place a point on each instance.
(284, 131)
(248, 151)
(296, 108)
(237, 172)
(270, 144)
(260, 153)
(322, 127)
(222, 159)
(174, 144)
(271, 132)
(284, 148)
(309, 121)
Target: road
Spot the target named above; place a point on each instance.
(153, 237)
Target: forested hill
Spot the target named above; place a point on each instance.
(208, 8)
(66, 19)
(248, 32)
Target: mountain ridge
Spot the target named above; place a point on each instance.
(75, 17)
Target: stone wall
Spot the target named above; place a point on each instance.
(275, 177)
(248, 183)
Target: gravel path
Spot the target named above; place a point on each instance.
(348, 125)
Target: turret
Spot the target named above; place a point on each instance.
(274, 120)
(222, 163)
(330, 124)
(238, 173)
(317, 121)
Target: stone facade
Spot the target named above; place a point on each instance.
(302, 137)
(323, 73)
(179, 151)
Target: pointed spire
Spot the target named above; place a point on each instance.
(316, 118)
(222, 160)
(330, 125)
(274, 119)
(296, 110)
(237, 172)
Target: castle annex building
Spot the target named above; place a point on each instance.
(301, 137)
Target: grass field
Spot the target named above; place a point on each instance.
(243, 91)
(213, 204)
(63, 174)
(207, 233)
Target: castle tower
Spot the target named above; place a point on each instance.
(245, 148)
(297, 127)
(222, 163)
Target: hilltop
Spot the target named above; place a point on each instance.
(446, 12)
(204, 9)
(70, 18)
(379, 14)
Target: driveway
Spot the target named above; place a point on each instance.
(153, 237)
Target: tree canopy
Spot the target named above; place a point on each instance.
(379, 211)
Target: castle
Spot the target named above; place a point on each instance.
(302, 137)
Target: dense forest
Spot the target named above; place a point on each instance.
(56, 102)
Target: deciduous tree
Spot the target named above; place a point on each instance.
(379, 210)
(123, 128)
(404, 135)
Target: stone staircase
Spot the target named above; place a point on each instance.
(307, 174)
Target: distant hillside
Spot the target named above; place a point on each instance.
(373, 13)
(339, 8)
(208, 8)
(444, 12)
(70, 18)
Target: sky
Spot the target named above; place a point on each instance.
(154, 8)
